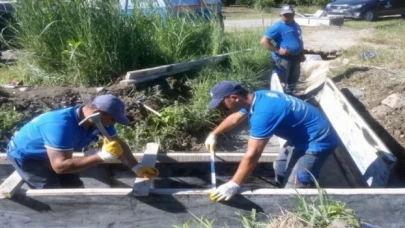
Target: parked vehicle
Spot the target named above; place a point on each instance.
(368, 10)
(206, 9)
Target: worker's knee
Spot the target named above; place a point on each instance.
(302, 180)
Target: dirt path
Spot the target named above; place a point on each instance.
(317, 39)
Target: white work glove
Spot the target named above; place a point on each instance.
(225, 191)
(145, 171)
(111, 150)
(210, 142)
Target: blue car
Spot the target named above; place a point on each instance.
(368, 10)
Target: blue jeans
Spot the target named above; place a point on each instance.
(39, 174)
(291, 167)
(288, 69)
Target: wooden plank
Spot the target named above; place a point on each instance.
(372, 158)
(142, 185)
(276, 86)
(10, 185)
(174, 157)
(244, 191)
(143, 75)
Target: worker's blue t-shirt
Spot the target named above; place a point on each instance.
(287, 36)
(292, 119)
(58, 130)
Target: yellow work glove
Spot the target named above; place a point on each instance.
(110, 150)
(210, 142)
(145, 171)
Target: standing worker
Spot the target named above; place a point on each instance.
(310, 137)
(42, 150)
(288, 51)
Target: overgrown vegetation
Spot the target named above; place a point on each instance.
(186, 122)
(8, 123)
(93, 42)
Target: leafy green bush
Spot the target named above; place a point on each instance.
(264, 4)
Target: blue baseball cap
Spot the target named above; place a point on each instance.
(113, 106)
(221, 90)
(286, 9)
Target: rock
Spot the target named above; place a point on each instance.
(24, 89)
(356, 92)
(394, 101)
(397, 132)
(380, 111)
(345, 62)
(100, 89)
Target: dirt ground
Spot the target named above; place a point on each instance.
(374, 86)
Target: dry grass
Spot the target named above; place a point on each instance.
(286, 220)
(240, 12)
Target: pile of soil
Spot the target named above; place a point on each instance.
(375, 85)
(33, 101)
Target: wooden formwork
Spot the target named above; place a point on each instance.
(365, 158)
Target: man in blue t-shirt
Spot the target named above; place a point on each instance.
(41, 151)
(288, 51)
(310, 137)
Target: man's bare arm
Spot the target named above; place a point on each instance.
(250, 159)
(230, 122)
(62, 162)
(266, 42)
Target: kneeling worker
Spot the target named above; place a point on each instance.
(310, 137)
(42, 150)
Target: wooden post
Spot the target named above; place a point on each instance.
(10, 185)
(142, 185)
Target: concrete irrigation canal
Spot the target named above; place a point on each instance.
(360, 173)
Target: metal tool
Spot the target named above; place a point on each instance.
(96, 118)
(213, 175)
(141, 102)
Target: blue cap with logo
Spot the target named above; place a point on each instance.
(113, 106)
(286, 9)
(221, 90)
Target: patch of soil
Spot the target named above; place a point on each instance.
(377, 85)
(36, 100)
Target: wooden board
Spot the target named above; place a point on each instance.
(372, 158)
(10, 185)
(190, 192)
(143, 75)
(174, 157)
(142, 185)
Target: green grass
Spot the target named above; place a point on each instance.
(81, 43)
(8, 122)
(185, 122)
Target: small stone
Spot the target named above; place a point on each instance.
(397, 132)
(380, 111)
(402, 136)
(356, 92)
(394, 101)
(345, 61)
(24, 89)
(100, 89)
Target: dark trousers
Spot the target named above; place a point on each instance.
(40, 175)
(297, 169)
(288, 69)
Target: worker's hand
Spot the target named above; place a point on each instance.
(283, 51)
(145, 171)
(225, 191)
(111, 150)
(210, 142)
